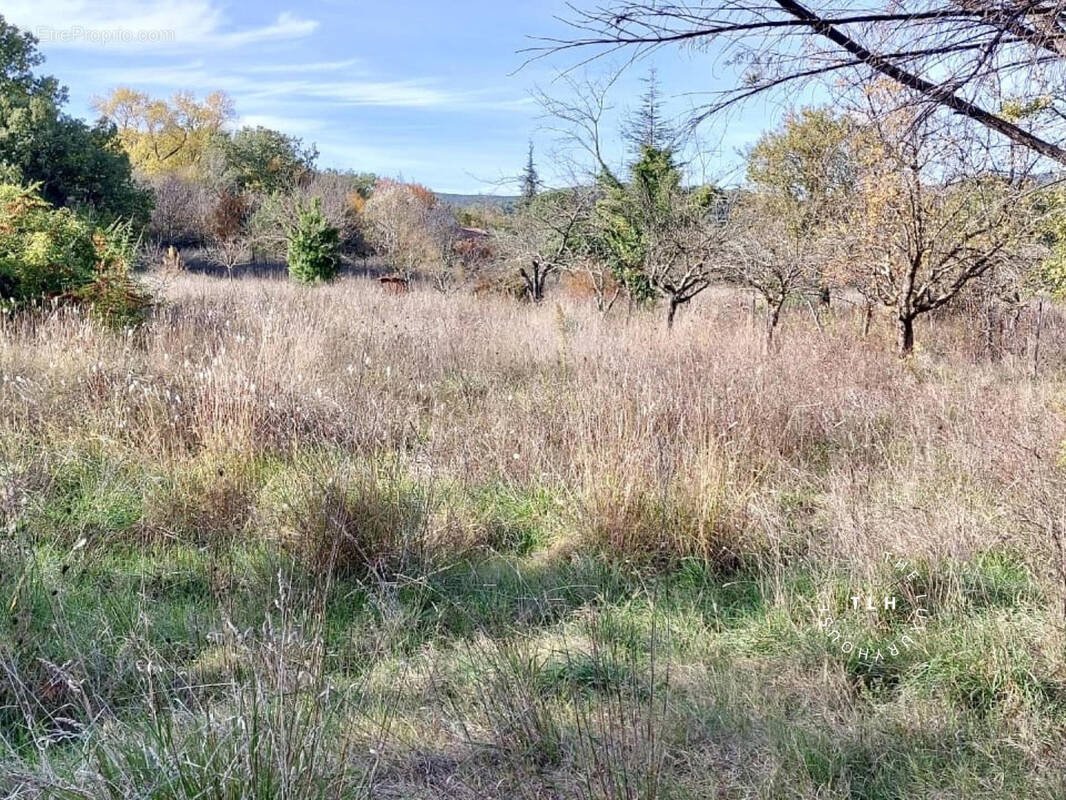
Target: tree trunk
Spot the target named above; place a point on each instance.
(1038, 329)
(773, 316)
(867, 318)
(993, 324)
(534, 281)
(905, 335)
(672, 312)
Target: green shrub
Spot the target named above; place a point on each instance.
(314, 246)
(49, 253)
(114, 295)
(44, 251)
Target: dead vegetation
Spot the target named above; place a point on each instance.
(423, 550)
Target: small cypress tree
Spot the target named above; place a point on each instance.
(530, 179)
(314, 246)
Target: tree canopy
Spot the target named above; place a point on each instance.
(73, 163)
(260, 159)
(165, 135)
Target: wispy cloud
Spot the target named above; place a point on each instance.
(320, 66)
(396, 102)
(148, 25)
(247, 84)
(192, 75)
(287, 26)
(414, 93)
(384, 160)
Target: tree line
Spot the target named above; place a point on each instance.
(881, 202)
(877, 200)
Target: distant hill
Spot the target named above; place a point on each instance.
(468, 200)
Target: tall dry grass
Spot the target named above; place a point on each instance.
(383, 438)
(691, 442)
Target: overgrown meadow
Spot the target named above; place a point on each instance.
(339, 543)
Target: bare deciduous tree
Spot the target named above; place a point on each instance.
(413, 231)
(275, 214)
(645, 233)
(181, 215)
(228, 246)
(544, 238)
(229, 253)
(596, 275)
(764, 252)
(681, 253)
(935, 212)
(658, 236)
(577, 120)
(982, 59)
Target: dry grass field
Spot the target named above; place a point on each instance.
(335, 543)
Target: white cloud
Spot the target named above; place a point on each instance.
(149, 25)
(403, 94)
(411, 93)
(249, 84)
(287, 26)
(320, 66)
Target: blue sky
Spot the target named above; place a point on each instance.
(413, 88)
